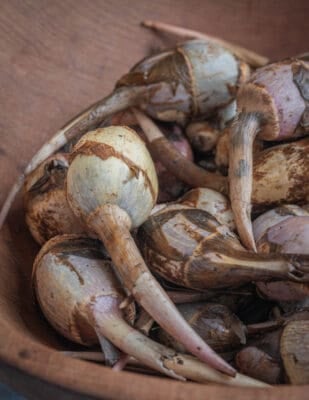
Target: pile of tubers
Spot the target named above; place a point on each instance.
(191, 262)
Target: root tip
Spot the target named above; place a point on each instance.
(147, 23)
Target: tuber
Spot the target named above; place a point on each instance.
(284, 229)
(80, 296)
(260, 365)
(190, 248)
(47, 211)
(215, 323)
(294, 347)
(112, 186)
(272, 105)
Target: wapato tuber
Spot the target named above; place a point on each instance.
(270, 218)
(283, 230)
(112, 186)
(272, 105)
(190, 248)
(260, 365)
(280, 175)
(171, 86)
(74, 281)
(294, 346)
(81, 296)
(47, 211)
(290, 235)
(215, 323)
(283, 291)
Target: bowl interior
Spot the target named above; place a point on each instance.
(55, 73)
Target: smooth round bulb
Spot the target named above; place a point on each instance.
(112, 166)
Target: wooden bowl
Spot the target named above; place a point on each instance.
(57, 58)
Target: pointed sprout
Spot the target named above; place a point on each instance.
(249, 56)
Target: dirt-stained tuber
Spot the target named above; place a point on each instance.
(190, 248)
(260, 365)
(215, 323)
(47, 211)
(272, 105)
(112, 186)
(283, 230)
(294, 346)
(80, 296)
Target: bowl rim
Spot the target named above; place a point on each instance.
(52, 367)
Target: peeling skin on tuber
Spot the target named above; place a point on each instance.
(258, 364)
(170, 188)
(270, 218)
(270, 106)
(284, 168)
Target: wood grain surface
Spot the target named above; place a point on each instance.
(56, 58)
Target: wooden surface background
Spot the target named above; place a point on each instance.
(57, 57)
